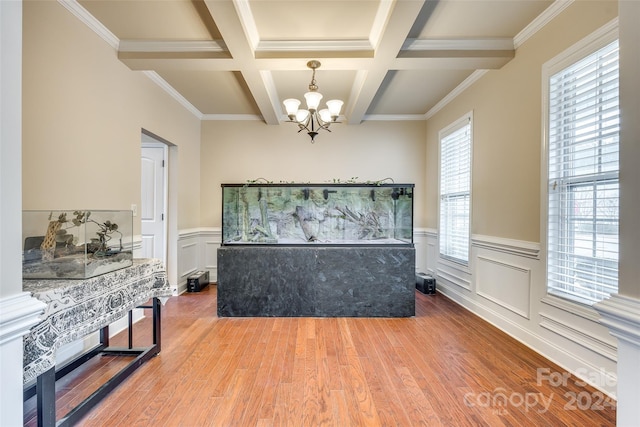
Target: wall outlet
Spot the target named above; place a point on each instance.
(134, 209)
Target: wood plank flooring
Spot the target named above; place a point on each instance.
(445, 366)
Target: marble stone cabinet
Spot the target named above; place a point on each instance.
(316, 281)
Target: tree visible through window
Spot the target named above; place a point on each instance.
(583, 183)
(455, 190)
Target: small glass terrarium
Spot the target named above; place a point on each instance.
(75, 244)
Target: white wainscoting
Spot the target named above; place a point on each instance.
(420, 242)
(198, 251)
(504, 283)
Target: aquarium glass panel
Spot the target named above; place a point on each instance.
(75, 244)
(317, 214)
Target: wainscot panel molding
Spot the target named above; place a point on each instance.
(579, 336)
(432, 252)
(505, 285)
(421, 243)
(571, 307)
(211, 238)
(453, 273)
(197, 251)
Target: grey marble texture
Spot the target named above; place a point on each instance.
(276, 281)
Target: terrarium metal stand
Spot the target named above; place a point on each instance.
(45, 384)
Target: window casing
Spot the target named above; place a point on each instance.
(455, 190)
(583, 176)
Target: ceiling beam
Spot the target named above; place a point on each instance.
(401, 16)
(231, 20)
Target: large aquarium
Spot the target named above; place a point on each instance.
(317, 214)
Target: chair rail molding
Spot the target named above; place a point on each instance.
(510, 246)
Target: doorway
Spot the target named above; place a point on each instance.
(153, 200)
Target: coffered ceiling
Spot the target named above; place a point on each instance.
(230, 59)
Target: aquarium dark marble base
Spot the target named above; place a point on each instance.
(316, 282)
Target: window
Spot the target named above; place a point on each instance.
(583, 183)
(455, 190)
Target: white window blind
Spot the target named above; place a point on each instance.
(455, 191)
(583, 203)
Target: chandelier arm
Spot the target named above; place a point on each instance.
(322, 123)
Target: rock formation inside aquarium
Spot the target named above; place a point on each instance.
(333, 214)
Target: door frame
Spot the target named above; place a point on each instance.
(170, 204)
(164, 195)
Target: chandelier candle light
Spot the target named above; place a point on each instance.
(311, 120)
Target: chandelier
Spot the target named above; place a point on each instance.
(311, 120)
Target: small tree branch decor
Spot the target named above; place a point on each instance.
(98, 246)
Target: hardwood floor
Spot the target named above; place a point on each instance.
(445, 366)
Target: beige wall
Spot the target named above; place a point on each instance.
(83, 111)
(507, 143)
(234, 152)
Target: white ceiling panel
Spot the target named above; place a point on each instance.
(408, 92)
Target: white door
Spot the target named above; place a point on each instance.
(152, 209)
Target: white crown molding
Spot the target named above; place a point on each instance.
(541, 20)
(155, 77)
(621, 314)
(18, 313)
(393, 117)
(313, 45)
(246, 18)
(510, 246)
(230, 117)
(83, 15)
(171, 46)
(90, 21)
(536, 25)
(474, 77)
(458, 44)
